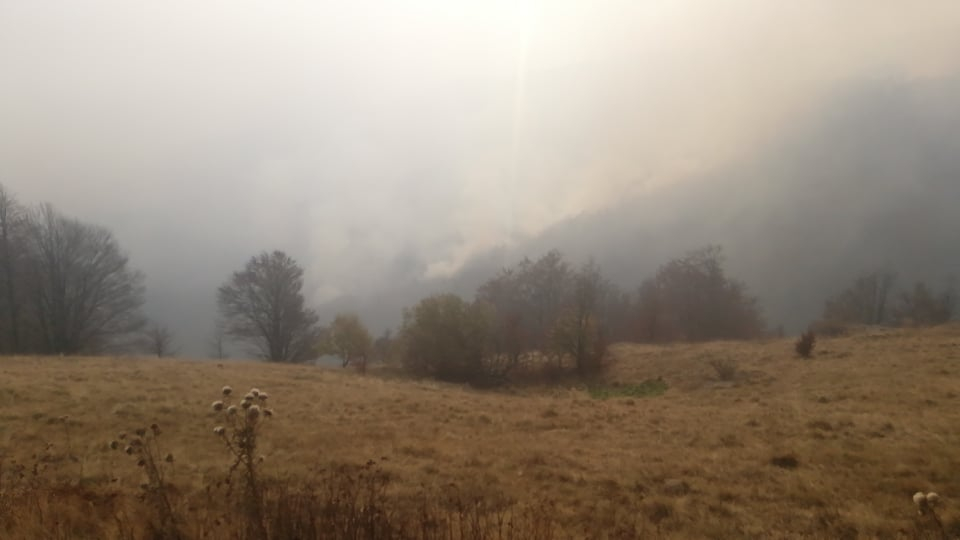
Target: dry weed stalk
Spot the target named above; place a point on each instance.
(144, 447)
(927, 518)
(239, 432)
(21, 485)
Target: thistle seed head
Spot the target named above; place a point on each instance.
(231, 410)
(253, 413)
(220, 430)
(217, 406)
(226, 391)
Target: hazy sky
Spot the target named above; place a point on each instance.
(370, 138)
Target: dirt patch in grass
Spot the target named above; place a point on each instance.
(647, 388)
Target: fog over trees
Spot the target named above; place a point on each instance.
(69, 289)
(869, 181)
(398, 157)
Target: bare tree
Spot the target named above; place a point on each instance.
(924, 307)
(218, 342)
(578, 332)
(159, 341)
(691, 298)
(11, 257)
(384, 347)
(865, 301)
(512, 334)
(263, 306)
(548, 285)
(525, 302)
(86, 297)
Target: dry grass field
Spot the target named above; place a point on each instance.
(831, 447)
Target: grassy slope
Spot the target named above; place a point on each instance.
(871, 419)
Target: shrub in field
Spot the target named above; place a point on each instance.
(446, 338)
(804, 346)
(725, 368)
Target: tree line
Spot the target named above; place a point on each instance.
(68, 288)
(548, 315)
(874, 299)
(544, 312)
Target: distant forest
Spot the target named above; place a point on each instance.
(68, 288)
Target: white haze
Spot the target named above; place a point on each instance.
(385, 143)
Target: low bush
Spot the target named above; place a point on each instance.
(725, 368)
(804, 346)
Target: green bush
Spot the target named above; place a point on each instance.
(445, 337)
